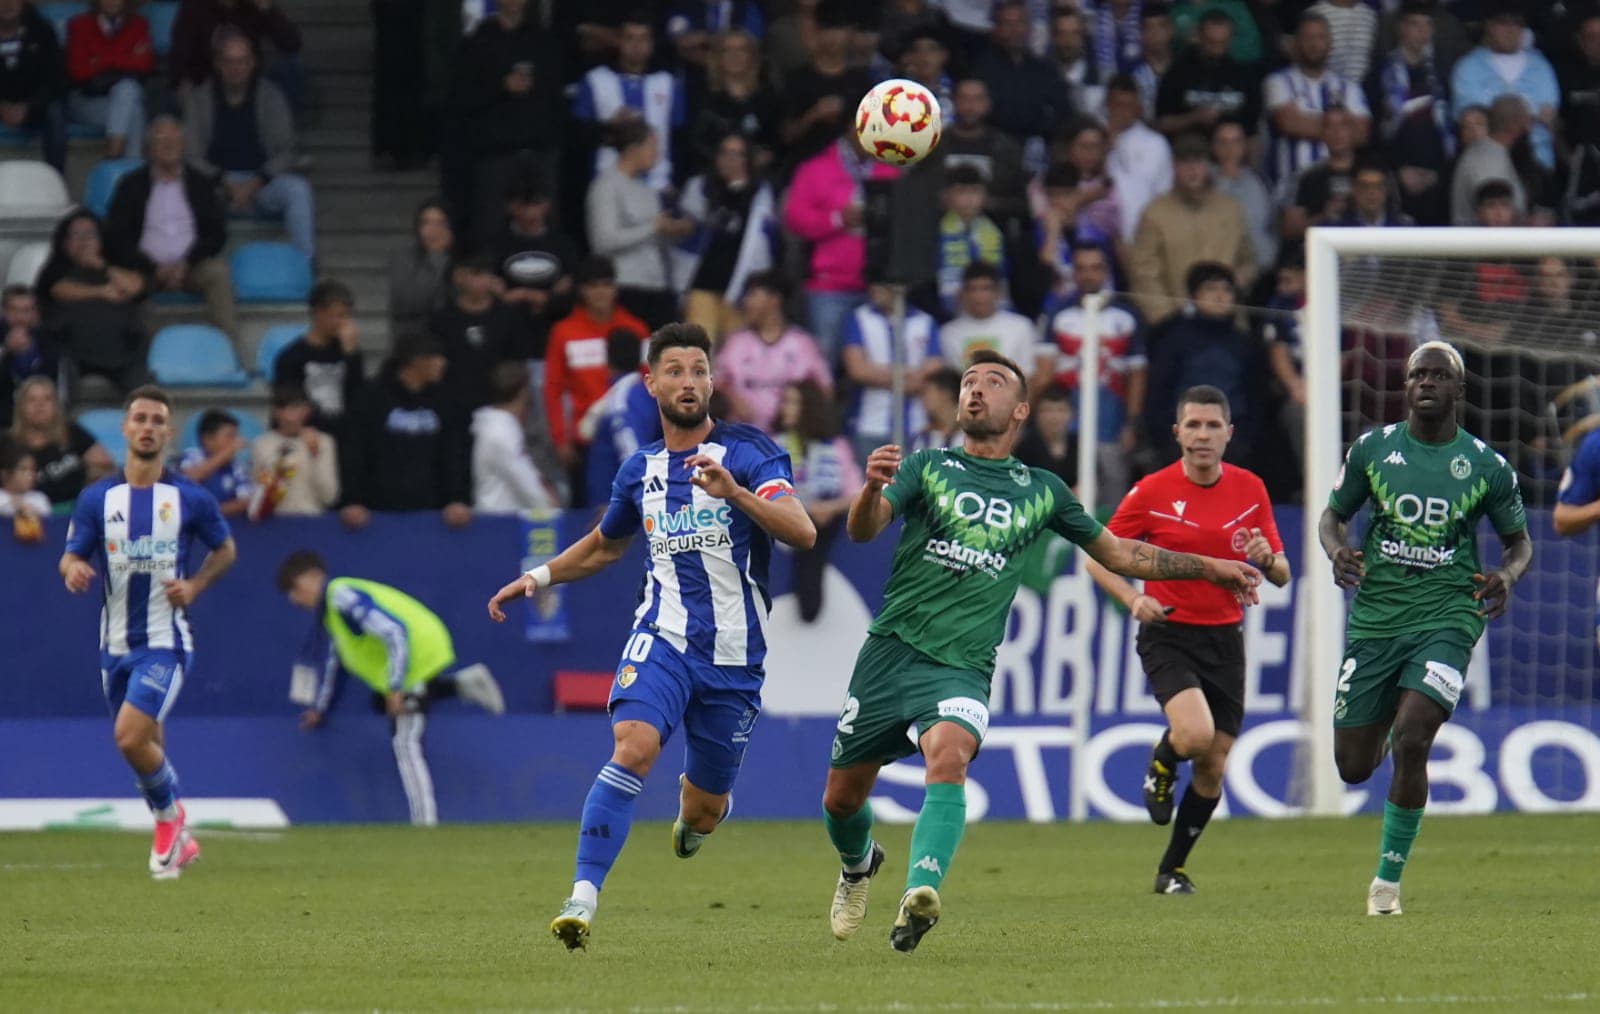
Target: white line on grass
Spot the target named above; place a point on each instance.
(1191, 1003)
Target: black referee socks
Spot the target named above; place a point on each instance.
(1194, 811)
(1166, 754)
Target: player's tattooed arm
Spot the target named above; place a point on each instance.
(1132, 558)
(1333, 533)
(1147, 561)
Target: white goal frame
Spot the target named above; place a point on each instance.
(1324, 605)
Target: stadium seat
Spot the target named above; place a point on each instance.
(276, 339)
(160, 14)
(102, 182)
(32, 190)
(270, 273)
(105, 425)
(582, 691)
(58, 14)
(195, 355)
(24, 266)
(249, 427)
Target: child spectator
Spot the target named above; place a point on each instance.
(575, 373)
(1048, 442)
(826, 478)
(25, 506)
(24, 350)
(505, 479)
(967, 236)
(297, 466)
(325, 362)
(754, 365)
(220, 463)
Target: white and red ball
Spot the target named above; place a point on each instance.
(898, 122)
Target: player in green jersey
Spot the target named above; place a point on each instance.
(970, 516)
(1422, 598)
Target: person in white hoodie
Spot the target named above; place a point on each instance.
(504, 478)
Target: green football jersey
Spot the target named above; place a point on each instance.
(1421, 547)
(956, 567)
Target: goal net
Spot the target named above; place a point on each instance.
(1523, 308)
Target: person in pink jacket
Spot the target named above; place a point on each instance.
(825, 208)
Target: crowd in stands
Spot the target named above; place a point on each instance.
(605, 168)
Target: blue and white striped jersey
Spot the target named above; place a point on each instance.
(1288, 156)
(137, 538)
(706, 576)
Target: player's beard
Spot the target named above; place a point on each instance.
(685, 420)
(983, 427)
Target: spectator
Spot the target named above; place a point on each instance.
(504, 477)
(506, 96)
(631, 93)
(1248, 43)
(736, 102)
(220, 464)
(1580, 121)
(1353, 28)
(869, 362)
(966, 235)
(789, 41)
(969, 139)
(575, 373)
(826, 478)
(820, 98)
(66, 455)
(33, 78)
(1280, 333)
(19, 500)
(1322, 190)
(904, 20)
(1232, 176)
(535, 260)
(238, 131)
(925, 60)
(1414, 115)
(92, 305)
(628, 223)
(733, 212)
(166, 222)
(475, 330)
(108, 57)
(1098, 201)
(1206, 85)
(754, 365)
(1193, 223)
(1155, 55)
(406, 447)
(1071, 59)
(418, 270)
(693, 26)
(1502, 66)
(1296, 99)
(1372, 201)
(824, 208)
(297, 465)
(1140, 160)
(325, 362)
(625, 418)
(1122, 367)
(201, 22)
(1047, 442)
(1489, 158)
(1030, 98)
(1114, 28)
(941, 404)
(25, 350)
(984, 325)
(1061, 229)
(1202, 345)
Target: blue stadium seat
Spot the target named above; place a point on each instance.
(277, 338)
(102, 182)
(195, 355)
(270, 273)
(105, 424)
(58, 14)
(160, 14)
(249, 427)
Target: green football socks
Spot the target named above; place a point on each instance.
(936, 835)
(852, 837)
(1399, 831)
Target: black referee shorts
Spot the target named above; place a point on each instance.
(1177, 656)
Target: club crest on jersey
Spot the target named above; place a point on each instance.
(626, 675)
(1241, 538)
(1021, 475)
(164, 512)
(1460, 467)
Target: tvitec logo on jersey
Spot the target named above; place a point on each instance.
(146, 554)
(688, 530)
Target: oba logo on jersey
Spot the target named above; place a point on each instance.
(144, 555)
(688, 530)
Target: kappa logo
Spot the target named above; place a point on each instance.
(930, 864)
(1394, 857)
(953, 463)
(1395, 458)
(654, 485)
(1178, 507)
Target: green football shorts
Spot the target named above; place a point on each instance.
(895, 687)
(1376, 669)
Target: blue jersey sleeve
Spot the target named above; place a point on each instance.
(642, 416)
(88, 517)
(1580, 484)
(761, 466)
(358, 609)
(204, 517)
(622, 520)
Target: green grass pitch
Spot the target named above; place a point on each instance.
(1502, 914)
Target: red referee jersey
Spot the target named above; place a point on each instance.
(1170, 510)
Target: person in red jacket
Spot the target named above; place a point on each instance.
(108, 56)
(576, 374)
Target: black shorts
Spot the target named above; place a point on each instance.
(1177, 656)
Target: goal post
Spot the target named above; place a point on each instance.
(1327, 251)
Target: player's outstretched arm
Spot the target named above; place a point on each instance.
(870, 513)
(783, 518)
(589, 555)
(1494, 588)
(1132, 558)
(1332, 533)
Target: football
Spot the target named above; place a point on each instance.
(898, 122)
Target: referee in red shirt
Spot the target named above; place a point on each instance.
(1190, 639)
